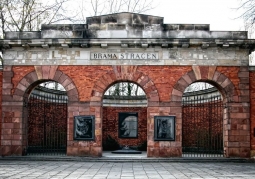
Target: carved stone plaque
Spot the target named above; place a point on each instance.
(84, 128)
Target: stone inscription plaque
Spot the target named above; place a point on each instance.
(124, 56)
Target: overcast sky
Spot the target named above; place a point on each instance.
(220, 14)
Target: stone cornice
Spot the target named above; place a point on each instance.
(142, 42)
(127, 30)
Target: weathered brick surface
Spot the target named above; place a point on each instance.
(163, 84)
(204, 72)
(85, 77)
(19, 72)
(164, 78)
(232, 74)
(252, 108)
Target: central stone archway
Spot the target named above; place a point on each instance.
(124, 118)
(129, 74)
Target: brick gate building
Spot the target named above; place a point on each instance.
(163, 59)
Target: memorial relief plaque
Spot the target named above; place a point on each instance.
(84, 127)
(128, 124)
(164, 128)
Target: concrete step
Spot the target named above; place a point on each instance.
(124, 159)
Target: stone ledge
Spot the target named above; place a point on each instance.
(126, 159)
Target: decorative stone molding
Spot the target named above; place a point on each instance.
(46, 73)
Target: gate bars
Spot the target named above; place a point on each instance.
(47, 122)
(202, 126)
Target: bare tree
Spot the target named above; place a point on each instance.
(99, 7)
(251, 34)
(125, 89)
(248, 14)
(28, 15)
(2, 18)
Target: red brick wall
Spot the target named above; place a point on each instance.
(19, 72)
(110, 124)
(232, 74)
(85, 78)
(1, 86)
(162, 84)
(252, 98)
(164, 77)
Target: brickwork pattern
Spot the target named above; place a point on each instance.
(163, 85)
(14, 140)
(164, 77)
(1, 87)
(19, 73)
(252, 109)
(238, 123)
(85, 78)
(238, 146)
(110, 124)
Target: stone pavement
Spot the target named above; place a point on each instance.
(125, 170)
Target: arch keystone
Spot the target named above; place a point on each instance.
(53, 70)
(211, 72)
(204, 72)
(39, 73)
(45, 72)
(197, 73)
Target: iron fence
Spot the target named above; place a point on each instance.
(202, 126)
(47, 122)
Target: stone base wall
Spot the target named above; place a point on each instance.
(165, 148)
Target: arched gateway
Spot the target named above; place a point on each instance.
(163, 59)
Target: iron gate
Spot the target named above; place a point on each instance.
(47, 122)
(202, 126)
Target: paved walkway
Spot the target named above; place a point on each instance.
(125, 170)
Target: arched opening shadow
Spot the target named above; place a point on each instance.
(202, 121)
(124, 119)
(45, 112)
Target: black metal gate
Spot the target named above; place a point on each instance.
(47, 122)
(202, 126)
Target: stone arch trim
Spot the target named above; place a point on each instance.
(205, 73)
(42, 73)
(125, 73)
